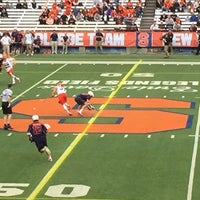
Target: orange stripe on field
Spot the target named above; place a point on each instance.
(133, 121)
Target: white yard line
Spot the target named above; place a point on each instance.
(38, 82)
(194, 155)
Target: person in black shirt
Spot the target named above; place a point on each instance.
(167, 39)
(54, 42)
(83, 101)
(37, 44)
(98, 40)
(66, 42)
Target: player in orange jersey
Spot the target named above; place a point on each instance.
(62, 96)
(8, 63)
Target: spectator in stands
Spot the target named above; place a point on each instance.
(19, 5)
(68, 7)
(198, 9)
(174, 16)
(11, 6)
(176, 26)
(154, 26)
(61, 4)
(50, 20)
(138, 8)
(99, 38)
(159, 4)
(37, 44)
(198, 23)
(8, 5)
(75, 11)
(4, 13)
(193, 28)
(175, 6)
(169, 23)
(193, 17)
(190, 6)
(42, 19)
(64, 17)
(28, 41)
(34, 4)
(54, 42)
(76, 3)
(25, 5)
(6, 42)
(167, 5)
(161, 26)
(196, 4)
(163, 17)
(85, 11)
(182, 5)
(79, 17)
(71, 20)
(178, 20)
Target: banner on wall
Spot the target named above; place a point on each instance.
(123, 39)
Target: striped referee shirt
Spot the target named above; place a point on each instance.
(4, 95)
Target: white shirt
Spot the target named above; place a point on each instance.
(8, 64)
(4, 95)
(5, 40)
(28, 38)
(60, 89)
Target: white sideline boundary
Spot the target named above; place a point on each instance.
(107, 62)
(194, 155)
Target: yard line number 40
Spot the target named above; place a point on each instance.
(76, 190)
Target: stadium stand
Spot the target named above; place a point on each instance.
(184, 17)
(24, 19)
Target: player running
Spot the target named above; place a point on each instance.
(8, 63)
(37, 132)
(83, 100)
(62, 96)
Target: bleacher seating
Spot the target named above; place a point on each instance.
(184, 16)
(24, 19)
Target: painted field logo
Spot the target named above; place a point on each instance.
(122, 115)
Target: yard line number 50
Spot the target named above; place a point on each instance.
(76, 190)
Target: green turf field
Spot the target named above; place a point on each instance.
(156, 165)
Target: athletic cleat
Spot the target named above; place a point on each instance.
(50, 159)
(9, 126)
(5, 127)
(80, 113)
(70, 114)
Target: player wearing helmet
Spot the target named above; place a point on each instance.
(37, 133)
(8, 64)
(62, 96)
(83, 100)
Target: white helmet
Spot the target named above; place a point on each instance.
(35, 117)
(91, 93)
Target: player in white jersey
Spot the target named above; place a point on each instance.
(62, 96)
(8, 64)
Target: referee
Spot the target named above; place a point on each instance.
(6, 106)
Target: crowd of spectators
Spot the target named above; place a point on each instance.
(72, 11)
(22, 42)
(170, 20)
